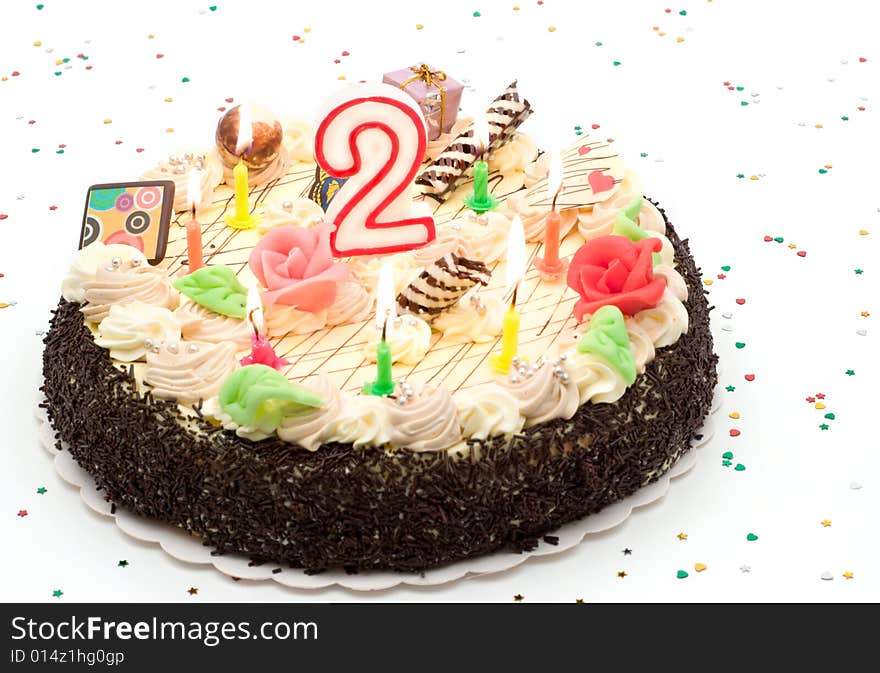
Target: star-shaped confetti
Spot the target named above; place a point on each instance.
(22, 513)
(730, 389)
(123, 563)
(57, 593)
(621, 573)
(578, 600)
(682, 536)
(865, 314)
(518, 598)
(825, 523)
(745, 568)
(41, 490)
(848, 575)
(823, 426)
(859, 272)
(627, 551)
(192, 591)
(850, 372)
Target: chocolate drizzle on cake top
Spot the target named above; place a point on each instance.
(372, 508)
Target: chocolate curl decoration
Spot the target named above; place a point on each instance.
(503, 116)
(430, 78)
(441, 285)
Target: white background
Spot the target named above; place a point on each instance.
(665, 99)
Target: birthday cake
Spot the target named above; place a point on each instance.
(411, 343)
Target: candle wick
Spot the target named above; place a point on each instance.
(513, 299)
(253, 322)
(384, 327)
(553, 206)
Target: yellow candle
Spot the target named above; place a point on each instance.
(240, 173)
(509, 340)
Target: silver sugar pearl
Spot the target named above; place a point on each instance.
(188, 156)
(192, 348)
(148, 343)
(401, 400)
(172, 348)
(137, 261)
(563, 357)
(558, 371)
(179, 169)
(522, 370)
(174, 160)
(401, 380)
(116, 261)
(565, 378)
(287, 206)
(514, 360)
(155, 348)
(514, 378)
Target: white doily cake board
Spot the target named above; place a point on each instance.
(185, 547)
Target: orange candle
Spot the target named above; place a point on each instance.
(550, 266)
(193, 228)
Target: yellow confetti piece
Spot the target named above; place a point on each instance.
(150, 36)
(419, 26)
(863, 232)
(753, 177)
(341, 77)
(825, 523)
(864, 314)
(552, 29)
(848, 575)
(791, 246)
(170, 129)
(661, 33)
(656, 28)
(4, 78)
(59, 61)
(516, 8)
(828, 166)
(679, 39)
(307, 30)
(3, 304)
(819, 126)
(707, 281)
(38, 43)
(700, 567)
(108, 120)
(819, 405)
(682, 536)
(733, 414)
(170, 99)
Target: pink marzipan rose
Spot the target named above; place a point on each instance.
(296, 267)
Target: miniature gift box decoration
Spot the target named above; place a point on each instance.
(437, 95)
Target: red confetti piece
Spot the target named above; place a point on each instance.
(229, 100)
(722, 276)
(740, 301)
(861, 108)
(862, 59)
(160, 55)
(32, 121)
(15, 73)
(811, 399)
(595, 126)
(336, 60)
(801, 253)
(345, 53)
(118, 142)
(734, 432)
(222, 108)
(296, 38)
(139, 149)
(820, 396)
(727, 84)
(88, 67)
(53, 207)
(668, 11)
(730, 87)
(22, 512)
(750, 377)
(3, 216)
(768, 239)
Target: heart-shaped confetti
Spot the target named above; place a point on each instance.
(751, 537)
(700, 567)
(727, 455)
(830, 416)
(740, 345)
(739, 467)
(749, 377)
(820, 405)
(599, 182)
(740, 301)
(584, 149)
(733, 414)
(779, 239)
(734, 432)
(725, 268)
(768, 238)
(681, 574)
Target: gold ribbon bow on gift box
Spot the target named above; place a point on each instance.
(430, 78)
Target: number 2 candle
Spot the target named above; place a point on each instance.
(374, 136)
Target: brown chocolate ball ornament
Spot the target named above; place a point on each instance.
(267, 135)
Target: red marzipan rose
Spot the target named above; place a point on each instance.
(612, 270)
(296, 267)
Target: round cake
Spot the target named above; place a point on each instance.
(157, 382)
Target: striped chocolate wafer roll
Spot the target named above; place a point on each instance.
(441, 285)
(503, 116)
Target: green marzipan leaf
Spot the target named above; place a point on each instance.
(258, 394)
(217, 289)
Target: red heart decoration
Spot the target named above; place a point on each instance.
(740, 301)
(768, 238)
(802, 253)
(595, 126)
(862, 59)
(228, 100)
(336, 60)
(139, 149)
(118, 142)
(599, 182)
(345, 53)
(160, 55)
(734, 432)
(3, 216)
(861, 108)
(32, 121)
(750, 377)
(222, 108)
(584, 149)
(727, 84)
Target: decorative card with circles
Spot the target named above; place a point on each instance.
(132, 213)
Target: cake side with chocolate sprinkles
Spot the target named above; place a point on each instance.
(371, 508)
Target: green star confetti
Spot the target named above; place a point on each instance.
(824, 426)
(859, 272)
(57, 593)
(123, 563)
(850, 372)
(730, 389)
(41, 490)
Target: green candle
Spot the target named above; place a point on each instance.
(384, 383)
(481, 200)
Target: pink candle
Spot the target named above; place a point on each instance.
(193, 228)
(262, 352)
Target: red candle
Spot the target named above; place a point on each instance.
(193, 228)
(262, 352)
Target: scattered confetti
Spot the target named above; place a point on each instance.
(751, 537)
(745, 568)
(627, 551)
(41, 490)
(681, 574)
(700, 567)
(682, 536)
(518, 598)
(192, 591)
(848, 575)
(123, 563)
(57, 593)
(826, 523)
(621, 573)
(22, 513)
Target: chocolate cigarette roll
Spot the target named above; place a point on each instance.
(442, 284)
(504, 116)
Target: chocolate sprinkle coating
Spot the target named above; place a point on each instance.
(365, 509)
